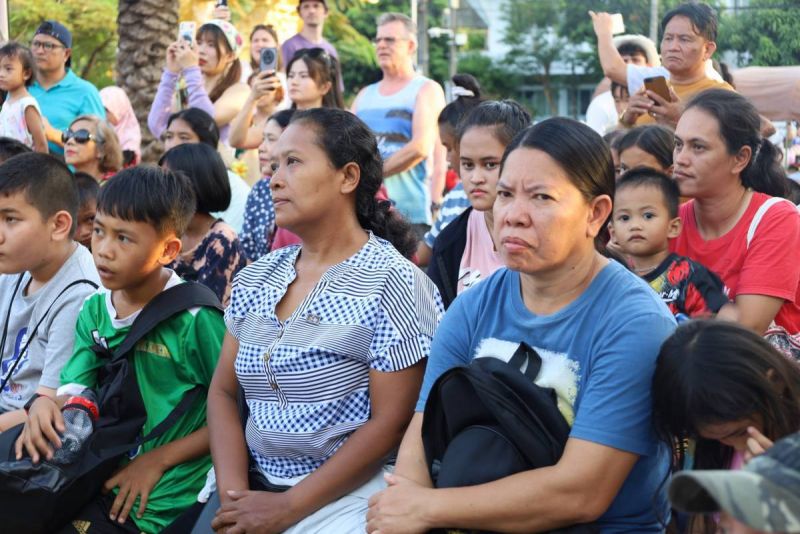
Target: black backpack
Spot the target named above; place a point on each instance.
(40, 498)
(488, 420)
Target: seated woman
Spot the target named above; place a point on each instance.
(465, 252)
(313, 79)
(591, 318)
(196, 126)
(210, 250)
(91, 146)
(210, 70)
(327, 340)
(728, 390)
(730, 171)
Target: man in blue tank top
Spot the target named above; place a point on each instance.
(402, 110)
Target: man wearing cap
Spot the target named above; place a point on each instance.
(313, 14)
(602, 115)
(402, 110)
(764, 496)
(688, 41)
(61, 94)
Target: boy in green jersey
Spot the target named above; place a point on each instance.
(141, 214)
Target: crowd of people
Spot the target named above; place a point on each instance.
(645, 260)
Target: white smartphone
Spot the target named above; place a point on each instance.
(617, 24)
(186, 30)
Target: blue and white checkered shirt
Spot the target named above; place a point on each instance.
(306, 380)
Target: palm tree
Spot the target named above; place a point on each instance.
(146, 28)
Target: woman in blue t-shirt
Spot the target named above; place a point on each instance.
(598, 329)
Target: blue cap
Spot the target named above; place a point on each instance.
(57, 30)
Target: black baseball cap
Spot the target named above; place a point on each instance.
(58, 31)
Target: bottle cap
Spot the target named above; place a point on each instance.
(84, 404)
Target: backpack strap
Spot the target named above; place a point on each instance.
(169, 302)
(32, 334)
(762, 210)
(526, 353)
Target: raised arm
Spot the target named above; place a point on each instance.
(424, 133)
(613, 65)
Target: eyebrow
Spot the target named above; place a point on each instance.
(691, 139)
(6, 211)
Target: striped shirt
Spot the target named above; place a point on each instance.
(453, 205)
(306, 379)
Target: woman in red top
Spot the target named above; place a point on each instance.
(730, 172)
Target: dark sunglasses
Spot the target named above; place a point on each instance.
(315, 53)
(81, 136)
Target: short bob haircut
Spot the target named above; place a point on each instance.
(44, 180)
(149, 194)
(206, 171)
(107, 142)
(581, 152)
(201, 123)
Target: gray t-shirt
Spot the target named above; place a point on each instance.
(51, 348)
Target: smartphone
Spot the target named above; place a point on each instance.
(269, 58)
(222, 3)
(658, 84)
(186, 30)
(617, 24)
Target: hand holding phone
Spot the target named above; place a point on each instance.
(269, 59)
(186, 30)
(658, 84)
(617, 24)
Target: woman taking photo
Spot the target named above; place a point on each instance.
(91, 146)
(592, 316)
(326, 339)
(313, 80)
(730, 171)
(211, 72)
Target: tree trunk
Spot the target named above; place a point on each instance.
(146, 28)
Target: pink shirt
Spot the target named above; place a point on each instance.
(479, 259)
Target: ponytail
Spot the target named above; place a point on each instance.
(347, 139)
(764, 173)
(467, 93)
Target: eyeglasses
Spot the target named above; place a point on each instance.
(390, 41)
(81, 136)
(47, 47)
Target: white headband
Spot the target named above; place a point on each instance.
(460, 91)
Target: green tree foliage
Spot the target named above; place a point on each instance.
(93, 26)
(766, 32)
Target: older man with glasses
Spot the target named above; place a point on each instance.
(402, 109)
(61, 94)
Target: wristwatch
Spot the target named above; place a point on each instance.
(30, 402)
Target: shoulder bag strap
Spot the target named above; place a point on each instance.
(32, 334)
(762, 210)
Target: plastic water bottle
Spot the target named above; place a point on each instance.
(80, 413)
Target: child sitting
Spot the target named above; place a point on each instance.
(88, 189)
(645, 218)
(45, 278)
(20, 118)
(141, 214)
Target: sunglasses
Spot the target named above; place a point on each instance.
(81, 136)
(315, 53)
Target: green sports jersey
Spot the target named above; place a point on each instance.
(179, 354)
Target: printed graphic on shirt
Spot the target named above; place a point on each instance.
(558, 371)
(13, 390)
(469, 277)
(687, 287)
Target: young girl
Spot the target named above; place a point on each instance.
(313, 80)
(211, 72)
(727, 389)
(20, 118)
(646, 146)
(464, 253)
